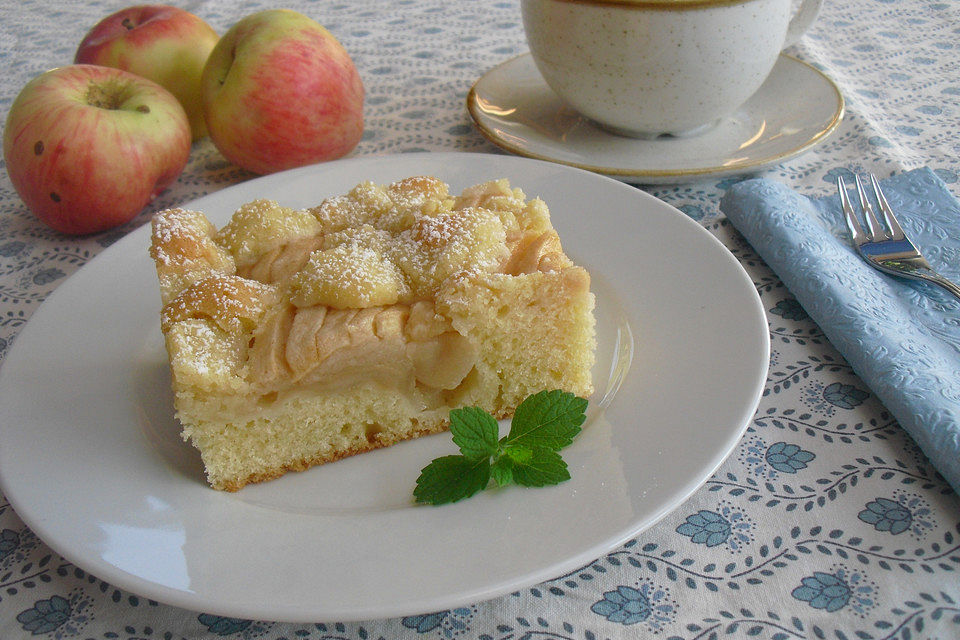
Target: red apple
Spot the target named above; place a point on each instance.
(87, 147)
(164, 44)
(279, 91)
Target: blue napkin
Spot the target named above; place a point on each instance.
(901, 337)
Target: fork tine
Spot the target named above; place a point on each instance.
(897, 255)
(848, 213)
(877, 232)
(892, 223)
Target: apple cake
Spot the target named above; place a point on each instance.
(299, 336)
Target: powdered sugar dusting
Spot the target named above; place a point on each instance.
(173, 230)
(378, 245)
(230, 301)
(396, 243)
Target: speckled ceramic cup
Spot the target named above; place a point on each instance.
(651, 67)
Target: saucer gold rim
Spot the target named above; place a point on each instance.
(742, 166)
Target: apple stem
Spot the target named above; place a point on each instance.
(103, 97)
(128, 23)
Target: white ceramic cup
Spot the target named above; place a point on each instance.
(651, 67)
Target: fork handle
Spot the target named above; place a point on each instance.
(936, 278)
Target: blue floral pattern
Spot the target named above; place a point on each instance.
(828, 521)
(887, 515)
(905, 512)
(845, 396)
(45, 615)
(728, 525)
(647, 603)
(823, 591)
(705, 527)
(789, 309)
(222, 626)
(834, 591)
(57, 617)
(829, 398)
(769, 461)
(788, 458)
(624, 605)
(451, 623)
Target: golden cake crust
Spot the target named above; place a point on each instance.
(300, 336)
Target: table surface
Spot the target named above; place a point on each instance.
(826, 521)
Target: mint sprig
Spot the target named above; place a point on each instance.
(542, 424)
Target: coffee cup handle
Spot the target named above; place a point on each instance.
(801, 22)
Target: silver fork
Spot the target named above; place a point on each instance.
(889, 251)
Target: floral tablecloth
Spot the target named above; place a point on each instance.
(827, 521)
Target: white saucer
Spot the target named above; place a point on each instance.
(796, 108)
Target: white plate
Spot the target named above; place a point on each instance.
(796, 108)
(91, 459)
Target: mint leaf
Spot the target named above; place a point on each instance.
(548, 419)
(451, 478)
(475, 431)
(502, 471)
(544, 467)
(542, 424)
(518, 453)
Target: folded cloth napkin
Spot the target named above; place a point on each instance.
(901, 337)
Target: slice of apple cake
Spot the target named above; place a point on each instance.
(300, 336)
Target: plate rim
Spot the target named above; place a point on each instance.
(473, 109)
(164, 593)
